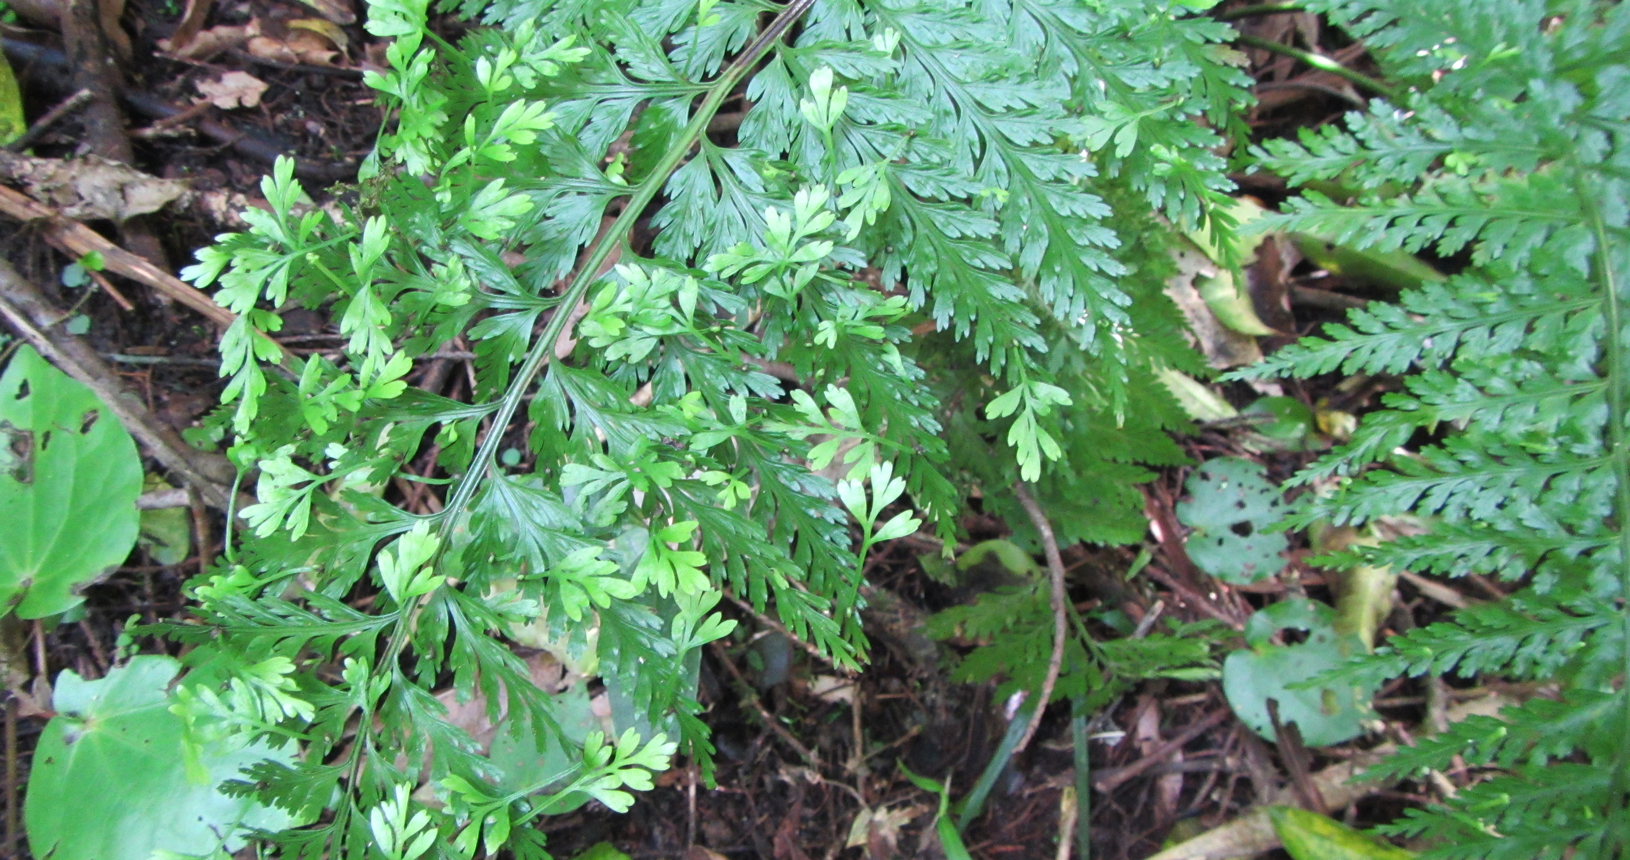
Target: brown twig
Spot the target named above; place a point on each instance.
(770, 722)
(33, 316)
(107, 287)
(91, 67)
(47, 66)
(1108, 780)
(53, 116)
(1061, 620)
(1287, 737)
(77, 240)
(778, 627)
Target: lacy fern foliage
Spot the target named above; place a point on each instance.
(1513, 146)
(639, 277)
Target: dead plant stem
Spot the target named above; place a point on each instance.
(1061, 621)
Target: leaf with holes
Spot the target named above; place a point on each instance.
(1325, 715)
(69, 478)
(1230, 503)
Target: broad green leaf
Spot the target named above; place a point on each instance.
(1311, 836)
(69, 478)
(119, 731)
(1284, 418)
(1232, 307)
(12, 120)
(1324, 715)
(1230, 505)
(515, 748)
(1199, 402)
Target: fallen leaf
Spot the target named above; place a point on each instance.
(208, 43)
(324, 28)
(832, 689)
(91, 187)
(338, 11)
(878, 830)
(1223, 346)
(697, 852)
(233, 89)
(192, 22)
(300, 47)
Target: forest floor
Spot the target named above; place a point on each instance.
(807, 758)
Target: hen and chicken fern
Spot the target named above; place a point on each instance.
(807, 185)
(1517, 126)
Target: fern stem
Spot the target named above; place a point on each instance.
(1259, 9)
(1055, 569)
(481, 465)
(647, 190)
(1619, 814)
(1323, 64)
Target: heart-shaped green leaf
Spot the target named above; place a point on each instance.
(69, 478)
(119, 732)
(1324, 715)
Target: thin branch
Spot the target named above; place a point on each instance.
(1324, 64)
(51, 118)
(1061, 621)
(27, 310)
(770, 722)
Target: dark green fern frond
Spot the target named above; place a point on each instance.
(1518, 367)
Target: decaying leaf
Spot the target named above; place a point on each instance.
(208, 43)
(337, 11)
(299, 46)
(1222, 345)
(91, 187)
(233, 89)
(324, 28)
(192, 22)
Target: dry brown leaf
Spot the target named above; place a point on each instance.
(91, 187)
(338, 11)
(300, 47)
(697, 852)
(545, 671)
(233, 89)
(833, 689)
(208, 43)
(223, 207)
(878, 830)
(324, 28)
(192, 22)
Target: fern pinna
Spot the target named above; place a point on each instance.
(1513, 139)
(559, 192)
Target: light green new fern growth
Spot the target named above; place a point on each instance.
(1514, 137)
(630, 210)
